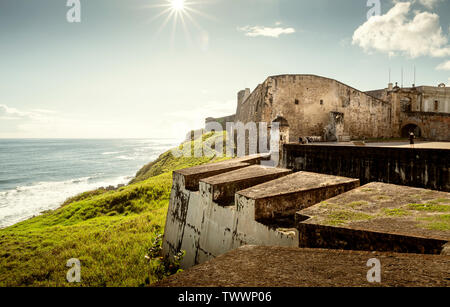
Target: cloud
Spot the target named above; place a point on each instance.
(444, 66)
(396, 33)
(254, 31)
(8, 113)
(429, 3)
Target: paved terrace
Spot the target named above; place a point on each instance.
(252, 266)
(379, 216)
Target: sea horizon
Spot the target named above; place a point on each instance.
(39, 174)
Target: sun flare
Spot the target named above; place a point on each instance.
(177, 5)
(180, 13)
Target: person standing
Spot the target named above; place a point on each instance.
(411, 139)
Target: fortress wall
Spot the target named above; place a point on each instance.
(206, 230)
(329, 237)
(317, 97)
(306, 102)
(424, 168)
(251, 109)
(263, 213)
(434, 126)
(432, 94)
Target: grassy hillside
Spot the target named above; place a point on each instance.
(110, 232)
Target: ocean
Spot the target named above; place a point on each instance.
(40, 174)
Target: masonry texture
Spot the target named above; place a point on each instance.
(219, 207)
(329, 110)
(203, 228)
(426, 168)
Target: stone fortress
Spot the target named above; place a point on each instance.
(327, 208)
(310, 105)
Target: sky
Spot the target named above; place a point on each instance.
(130, 69)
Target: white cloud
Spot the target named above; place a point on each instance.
(444, 66)
(254, 31)
(429, 3)
(397, 33)
(8, 113)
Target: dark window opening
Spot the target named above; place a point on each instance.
(296, 101)
(405, 103)
(436, 105)
(321, 102)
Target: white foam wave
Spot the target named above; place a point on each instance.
(24, 202)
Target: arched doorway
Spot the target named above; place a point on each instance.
(283, 126)
(406, 130)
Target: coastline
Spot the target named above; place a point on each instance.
(106, 230)
(41, 175)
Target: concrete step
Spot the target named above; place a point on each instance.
(283, 197)
(192, 175)
(222, 188)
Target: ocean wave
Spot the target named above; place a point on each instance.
(24, 202)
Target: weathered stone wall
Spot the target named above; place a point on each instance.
(251, 109)
(424, 106)
(310, 104)
(433, 126)
(319, 236)
(206, 230)
(306, 102)
(424, 168)
(435, 99)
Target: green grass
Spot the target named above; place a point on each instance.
(357, 204)
(432, 206)
(110, 232)
(198, 155)
(341, 217)
(396, 212)
(438, 222)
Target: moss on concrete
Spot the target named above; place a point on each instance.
(341, 217)
(437, 222)
(395, 212)
(357, 204)
(430, 206)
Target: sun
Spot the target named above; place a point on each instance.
(179, 12)
(177, 5)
